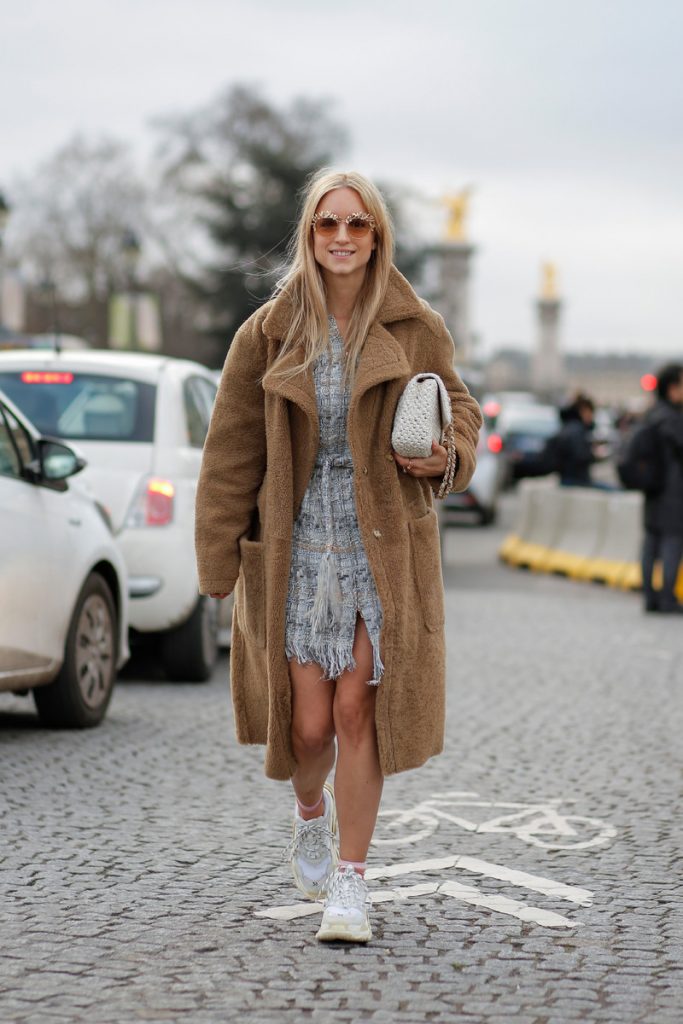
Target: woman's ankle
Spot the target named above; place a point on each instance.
(359, 866)
(310, 811)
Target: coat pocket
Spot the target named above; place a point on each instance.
(250, 597)
(426, 555)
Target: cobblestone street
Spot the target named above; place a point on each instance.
(138, 858)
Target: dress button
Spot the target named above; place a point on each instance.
(390, 457)
(365, 470)
(377, 533)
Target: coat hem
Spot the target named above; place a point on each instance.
(216, 587)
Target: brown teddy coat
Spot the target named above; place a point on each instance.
(258, 459)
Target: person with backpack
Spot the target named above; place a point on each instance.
(653, 463)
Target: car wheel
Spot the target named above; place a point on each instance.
(189, 652)
(80, 694)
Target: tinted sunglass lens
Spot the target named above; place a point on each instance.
(358, 227)
(326, 225)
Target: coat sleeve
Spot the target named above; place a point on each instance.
(467, 418)
(233, 462)
(672, 429)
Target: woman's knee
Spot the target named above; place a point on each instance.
(354, 717)
(313, 735)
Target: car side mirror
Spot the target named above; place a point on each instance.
(57, 460)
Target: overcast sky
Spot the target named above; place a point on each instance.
(565, 115)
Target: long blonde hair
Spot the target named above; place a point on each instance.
(304, 282)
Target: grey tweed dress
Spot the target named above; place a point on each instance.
(330, 582)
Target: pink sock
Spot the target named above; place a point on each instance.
(357, 865)
(308, 810)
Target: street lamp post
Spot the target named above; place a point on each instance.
(48, 289)
(4, 217)
(131, 254)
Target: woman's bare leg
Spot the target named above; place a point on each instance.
(312, 734)
(358, 778)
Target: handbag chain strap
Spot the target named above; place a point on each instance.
(452, 462)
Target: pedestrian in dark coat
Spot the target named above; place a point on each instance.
(573, 445)
(664, 509)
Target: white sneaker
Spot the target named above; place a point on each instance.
(314, 851)
(345, 915)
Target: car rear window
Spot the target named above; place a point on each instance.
(83, 406)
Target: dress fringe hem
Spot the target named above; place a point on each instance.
(334, 659)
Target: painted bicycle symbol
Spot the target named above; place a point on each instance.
(539, 824)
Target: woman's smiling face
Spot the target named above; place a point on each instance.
(339, 253)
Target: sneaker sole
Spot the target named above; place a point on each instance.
(338, 932)
(314, 894)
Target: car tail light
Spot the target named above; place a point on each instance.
(152, 504)
(495, 443)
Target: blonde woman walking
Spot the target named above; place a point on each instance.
(329, 538)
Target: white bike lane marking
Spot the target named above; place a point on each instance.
(465, 893)
(538, 883)
(539, 824)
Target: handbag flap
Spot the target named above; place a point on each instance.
(444, 400)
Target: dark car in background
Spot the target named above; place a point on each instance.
(522, 432)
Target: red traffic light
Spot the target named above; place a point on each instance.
(648, 382)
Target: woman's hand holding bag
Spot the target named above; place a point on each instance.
(433, 465)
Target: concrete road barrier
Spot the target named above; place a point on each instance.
(617, 562)
(544, 513)
(580, 532)
(585, 523)
(524, 527)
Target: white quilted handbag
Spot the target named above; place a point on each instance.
(422, 415)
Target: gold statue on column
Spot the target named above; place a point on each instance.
(456, 203)
(549, 281)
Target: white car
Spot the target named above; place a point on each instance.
(484, 489)
(140, 421)
(63, 592)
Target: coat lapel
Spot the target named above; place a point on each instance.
(299, 389)
(382, 358)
